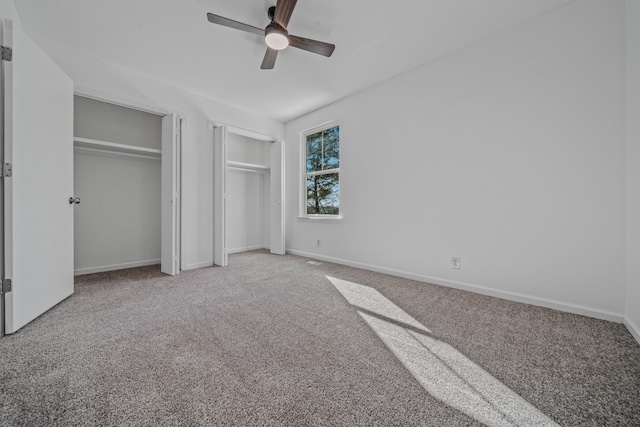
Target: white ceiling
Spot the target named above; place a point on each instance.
(172, 41)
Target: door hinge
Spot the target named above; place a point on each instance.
(7, 169)
(6, 285)
(7, 53)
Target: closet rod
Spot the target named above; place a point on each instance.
(113, 146)
(250, 167)
(97, 149)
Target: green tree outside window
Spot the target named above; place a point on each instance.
(323, 172)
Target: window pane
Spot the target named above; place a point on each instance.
(323, 194)
(314, 152)
(331, 142)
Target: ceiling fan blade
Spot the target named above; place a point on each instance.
(321, 48)
(284, 9)
(269, 59)
(220, 20)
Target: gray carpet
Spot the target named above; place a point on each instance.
(269, 340)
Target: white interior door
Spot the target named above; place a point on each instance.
(219, 195)
(38, 218)
(277, 198)
(170, 199)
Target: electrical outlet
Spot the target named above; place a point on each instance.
(455, 262)
(317, 243)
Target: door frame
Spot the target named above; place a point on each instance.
(219, 198)
(182, 120)
(3, 103)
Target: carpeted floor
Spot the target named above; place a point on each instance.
(270, 340)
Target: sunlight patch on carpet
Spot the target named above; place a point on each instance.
(371, 300)
(444, 372)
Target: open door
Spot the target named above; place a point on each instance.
(170, 199)
(38, 185)
(219, 195)
(277, 198)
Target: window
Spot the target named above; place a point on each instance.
(321, 179)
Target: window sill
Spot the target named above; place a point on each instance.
(325, 219)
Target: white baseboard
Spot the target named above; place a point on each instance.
(248, 248)
(204, 264)
(633, 328)
(195, 265)
(511, 296)
(112, 267)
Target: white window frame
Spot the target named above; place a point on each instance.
(304, 216)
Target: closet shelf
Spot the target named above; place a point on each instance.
(113, 147)
(247, 166)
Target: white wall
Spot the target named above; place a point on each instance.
(632, 313)
(248, 209)
(245, 149)
(8, 10)
(114, 123)
(509, 154)
(117, 223)
(121, 86)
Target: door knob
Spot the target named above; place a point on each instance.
(74, 200)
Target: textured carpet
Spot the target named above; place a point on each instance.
(269, 340)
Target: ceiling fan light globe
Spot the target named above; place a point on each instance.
(275, 36)
(276, 40)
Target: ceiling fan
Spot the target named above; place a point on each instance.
(275, 34)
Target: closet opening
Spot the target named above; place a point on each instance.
(248, 193)
(126, 188)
